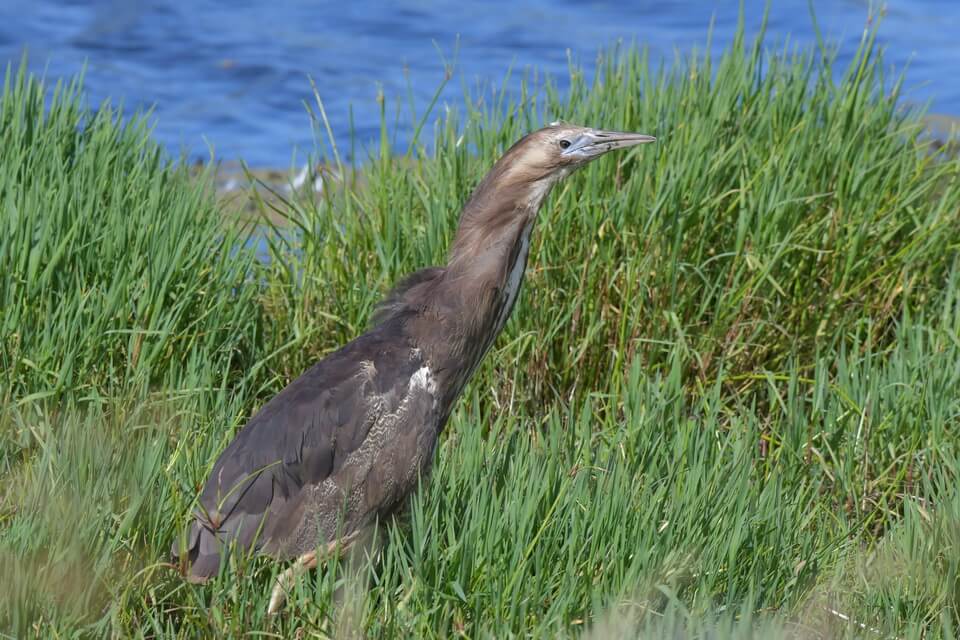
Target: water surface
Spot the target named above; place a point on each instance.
(234, 74)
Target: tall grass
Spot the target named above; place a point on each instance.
(117, 269)
(725, 407)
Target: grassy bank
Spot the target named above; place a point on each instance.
(725, 407)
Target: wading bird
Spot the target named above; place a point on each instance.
(345, 443)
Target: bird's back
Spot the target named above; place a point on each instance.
(340, 445)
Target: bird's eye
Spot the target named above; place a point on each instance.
(564, 144)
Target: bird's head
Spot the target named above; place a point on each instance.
(510, 195)
(558, 149)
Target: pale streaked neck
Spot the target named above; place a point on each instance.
(482, 279)
(489, 257)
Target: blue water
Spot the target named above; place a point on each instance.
(234, 74)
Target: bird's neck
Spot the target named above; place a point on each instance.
(485, 284)
(488, 256)
(485, 270)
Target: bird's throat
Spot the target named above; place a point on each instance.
(509, 289)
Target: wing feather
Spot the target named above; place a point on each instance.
(299, 438)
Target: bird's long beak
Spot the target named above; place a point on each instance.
(596, 142)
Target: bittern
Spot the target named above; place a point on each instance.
(345, 444)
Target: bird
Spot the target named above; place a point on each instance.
(348, 441)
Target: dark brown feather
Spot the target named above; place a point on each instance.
(299, 439)
(411, 293)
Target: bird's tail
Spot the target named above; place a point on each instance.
(199, 559)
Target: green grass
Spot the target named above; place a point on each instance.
(116, 271)
(725, 407)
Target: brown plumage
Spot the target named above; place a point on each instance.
(347, 441)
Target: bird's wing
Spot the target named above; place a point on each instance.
(299, 438)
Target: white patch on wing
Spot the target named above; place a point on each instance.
(423, 379)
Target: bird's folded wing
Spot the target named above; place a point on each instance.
(302, 436)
